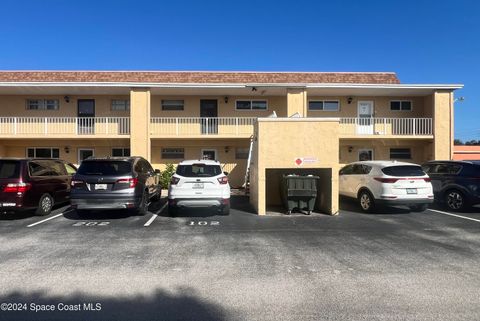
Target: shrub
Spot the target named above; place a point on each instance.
(166, 175)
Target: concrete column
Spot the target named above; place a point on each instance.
(140, 122)
(297, 101)
(443, 125)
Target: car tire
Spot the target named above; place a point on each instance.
(143, 206)
(172, 211)
(225, 210)
(418, 208)
(366, 201)
(455, 200)
(45, 205)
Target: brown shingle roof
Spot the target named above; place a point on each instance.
(199, 77)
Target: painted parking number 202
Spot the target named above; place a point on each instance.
(91, 224)
(204, 223)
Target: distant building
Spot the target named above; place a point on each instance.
(464, 152)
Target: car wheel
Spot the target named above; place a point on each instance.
(45, 205)
(143, 206)
(455, 200)
(225, 210)
(418, 208)
(172, 211)
(366, 201)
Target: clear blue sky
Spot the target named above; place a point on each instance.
(423, 41)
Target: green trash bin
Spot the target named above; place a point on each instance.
(299, 192)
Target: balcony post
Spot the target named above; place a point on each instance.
(414, 129)
(176, 126)
(236, 125)
(45, 125)
(206, 121)
(106, 124)
(15, 125)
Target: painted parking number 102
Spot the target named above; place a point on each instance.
(204, 223)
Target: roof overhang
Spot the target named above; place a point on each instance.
(273, 89)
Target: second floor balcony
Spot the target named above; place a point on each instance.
(196, 127)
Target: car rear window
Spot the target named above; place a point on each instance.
(403, 170)
(107, 168)
(9, 169)
(199, 170)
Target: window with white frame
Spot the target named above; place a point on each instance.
(251, 105)
(171, 104)
(120, 104)
(325, 105)
(400, 153)
(43, 152)
(120, 152)
(403, 105)
(173, 153)
(42, 104)
(241, 152)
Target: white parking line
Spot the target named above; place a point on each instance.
(450, 214)
(154, 216)
(47, 219)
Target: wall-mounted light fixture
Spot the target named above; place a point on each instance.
(66, 149)
(67, 99)
(350, 149)
(254, 89)
(349, 100)
(225, 99)
(227, 149)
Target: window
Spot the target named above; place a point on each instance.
(105, 167)
(48, 152)
(241, 152)
(120, 152)
(43, 104)
(172, 104)
(403, 170)
(70, 169)
(173, 153)
(404, 105)
(9, 169)
(46, 168)
(120, 104)
(400, 153)
(451, 169)
(199, 170)
(251, 105)
(325, 105)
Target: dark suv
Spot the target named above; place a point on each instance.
(456, 184)
(27, 183)
(115, 183)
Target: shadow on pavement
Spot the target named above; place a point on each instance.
(159, 306)
(21, 215)
(351, 205)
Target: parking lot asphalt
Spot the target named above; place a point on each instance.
(392, 265)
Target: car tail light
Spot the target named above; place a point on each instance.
(174, 181)
(75, 183)
(223, 180)
(17, 187)
(131, 181)
(386, 180)
(427, 179)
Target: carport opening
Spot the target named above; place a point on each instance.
(273, 181)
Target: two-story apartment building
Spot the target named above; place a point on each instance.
(170, 116)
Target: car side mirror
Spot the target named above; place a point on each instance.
(157, 171)
(225, 173)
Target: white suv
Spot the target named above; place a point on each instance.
(199, 183)
(386, 182)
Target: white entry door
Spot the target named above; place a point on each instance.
(365, 118)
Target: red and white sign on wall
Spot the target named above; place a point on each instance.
(299, 161)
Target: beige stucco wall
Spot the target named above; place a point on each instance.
(421, 149)
(443, 125)
(296, 101)
(15, 106)
(280, 141)
(381, 106)
(193, 150)
(192, 106)
(101, 147)
(139, 123)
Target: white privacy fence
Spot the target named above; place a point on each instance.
(386, 126)
(198, 126)
(65, 125)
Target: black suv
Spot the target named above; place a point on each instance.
(115, 183)
(456, 184)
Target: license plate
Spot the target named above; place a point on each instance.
(198, 185)
(411, 191)
(100, 186)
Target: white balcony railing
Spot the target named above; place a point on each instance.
(386, 126)
(202, 126)
(64, 126)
